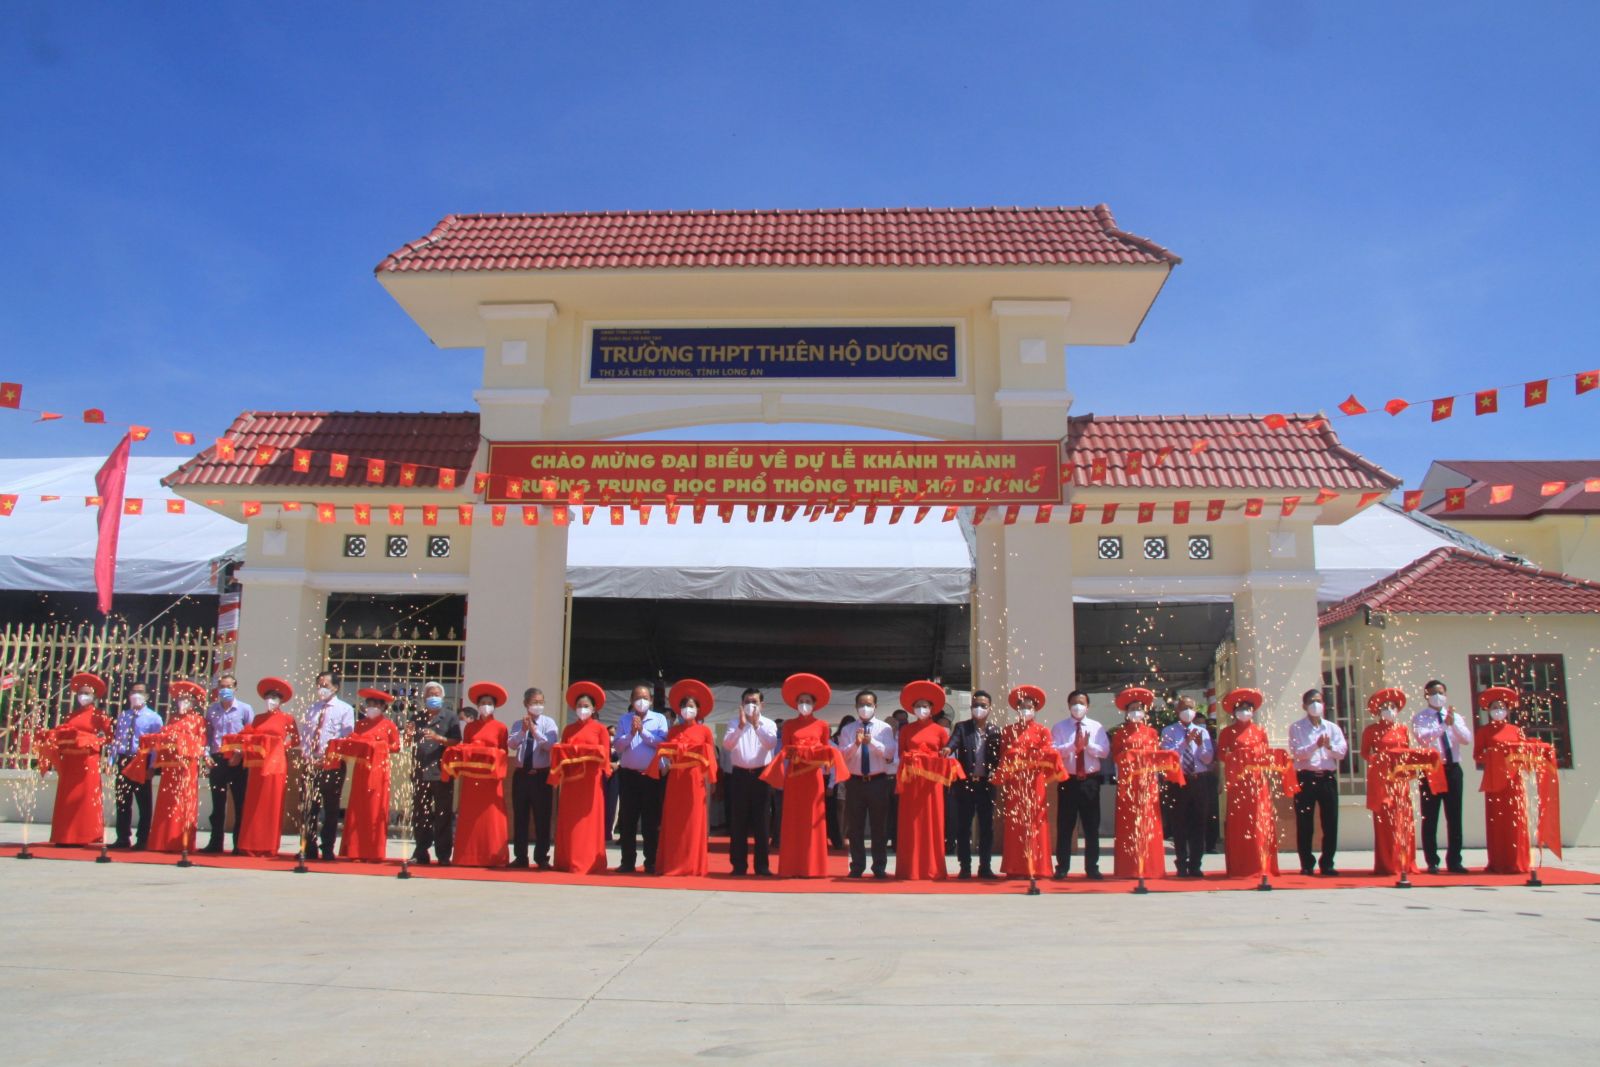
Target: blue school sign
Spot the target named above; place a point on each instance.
(740, 353)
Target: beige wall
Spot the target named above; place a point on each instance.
(1569, 544)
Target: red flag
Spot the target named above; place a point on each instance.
(530, 514)
(1214, 510)
(1180, 513)
(1412, 499)
(616, 514)
(895, 513)
(1488, 402)
(672, 514)
(1369, 499)
(375, 471)
(725, 512)
(1011, 514)
(513, 488)
(1253, 506)
(48, 416)
(430, 514)
(10, 395)
(1443, 408)
(338, 465)
(699, 511)
(447, 478)
(1043, 512)
(290, 505)
(327, 513)
(1134, 463)
(1591, 485)
(979, 513)
(1066, 472)
(263, 455)
(109, 484)
(363, 514)
(750, 513)
(464, 514)
(1275, 422)
(587, 511)
(183, 437)
(1552, 488)
(497, 515)
(1288, 506)
(1455, 499)
(1147, 511)
(8, 501)
(225, 450)
(1163, 454)
(480, 482)
(1077, 512)
(1199, 446)
(1499, 494)
(1396, 406)
(950, 514)
(1586, 382)
(1097, 469)
(94, 415)
(788, 510)
(48, 497)
(139, 433)
(1535, 392)
(559, 515)
(175, 507)
(302, 460)
(1108, 514)
(408, 474)
(1352, 406)
(1313, 425)
(252, 508)
(397, 514)
(1325, 495)
(133, 506)
(94, 501)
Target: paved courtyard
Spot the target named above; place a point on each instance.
(133, 963)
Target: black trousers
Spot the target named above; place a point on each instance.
(1191, 806)
(1078, 803)
(226, 779)
(833, 817)
(1318, 789)
(868, 798)
(128, 794)
(1452, 819)
(749, 806)
(638, 815)
(433, 819)
(531, 795)
(322, 825)
(971, 800)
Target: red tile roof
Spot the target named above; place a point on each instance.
(427, 438)
(862, 237)
(1450, 581)
(1240, 453)
(1526, 477)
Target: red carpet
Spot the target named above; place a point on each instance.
(836, 883)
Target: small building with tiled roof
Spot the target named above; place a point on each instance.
(1473, 621)
(1546, 511)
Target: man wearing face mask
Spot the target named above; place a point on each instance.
(749, 741)
(1317, 745)
(1439, 726)
(869, 750)
(325, 719)
(975, 744)
(227, 715)
(1083, 743)
(433, 730)
(1191, 800)
(640, 732)
(134, 722)
(532, 737)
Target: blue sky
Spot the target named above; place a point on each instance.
(1391, 199)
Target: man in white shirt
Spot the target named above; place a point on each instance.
(749, 742)
(1441, 727)
(529, 743)
(325, 719)
(869, 749)
(1083, 743)
(1190, 739)
(1317, 745)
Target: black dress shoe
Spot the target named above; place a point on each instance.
(420, 861)
(518, 864)
(964, 873)
(880, 874)
(649, 868)
(1093, 876)
(1060, 875)
(737, 873)
(763, 874)
(1307, 872)
(1433, 868)
(1458, 869)
(120, 845)
(629, 869)
(213, 847)
(987, 875)
(856, 874)
(1330, 872)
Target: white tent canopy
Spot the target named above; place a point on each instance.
(49, 546)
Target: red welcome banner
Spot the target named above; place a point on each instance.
(933, 472)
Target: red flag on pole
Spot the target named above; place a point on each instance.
(109, 483)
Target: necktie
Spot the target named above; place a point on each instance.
(979, 768)
(1078, 770)
(527, 750)
(1444, 739)
(866, 752)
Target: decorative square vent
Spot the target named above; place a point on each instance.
(355, 546)
(439, 547)
(1155, 548)
(1110, 548)
(397, 546)
(1199, 547)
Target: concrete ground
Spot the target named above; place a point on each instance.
(133, 963)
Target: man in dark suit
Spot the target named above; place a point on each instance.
(433, 727)
(975, 742)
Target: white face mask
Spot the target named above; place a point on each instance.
(1186, 715)
(486, 711)
(323, 692)
(1498, 714)
(1438, 701)
(185, 706)
(1244, 714)
(804, 707)
(584, 711)
(372, 711)
(924, 713)
(752, 708)
(641, 705)
(272, 703)
(85, 699)
(1136, 716)
(1079, 710)
(1388, 714)
(690, 714)
(1314, 709)
(536, 710)
(1028, 714)
(135, 700)
(866, 711)
(980, 711)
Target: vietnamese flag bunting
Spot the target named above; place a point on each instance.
(338, 465)
(183, 437)
(497, 515)
(225, 450)
(513, 488)
(302, 460)
(327, 513)
(1370, 498)
(464, 514)
(290, 505)
(1275, 422)
(559, 515)
(447, 478)
(363, 513)
(725, 512)
(1214, 510)
(1108, 514)
(8, 501)
(1097, 469)
(397, 514)
(1455, 499)
(408, 474)
(672, 514)
(139, 433)
(1325, 495)
(789, 511)
(616, 514)
(48, 416)
(1351, 406)
(264, 455)
(1043, 512)
(94, 415)
(1587, 382)
(1253, 506)
(1180, 513)
(1076, 513)
(95, 501)
(1199, 446)
(252, 508)
(1591, 485)
(176, 507)
(10, 395)
(587, 512)
(375, 471)
(1147, 511)
(1552, 488)
(1487, 402)
(1134, 462)
(1535, 393)
(1163, 454)
(480, 482)
(1412, 499)
(950, 514)
(1396, 406)
(1066, 472)
(699, 510)
(644, 514)
(530, 514)
(1443, 408)
(1287, 508)
(133, 506)
(1011, 514)
(1500, 494)
(978, 513)
(895, 513)
(430, 514)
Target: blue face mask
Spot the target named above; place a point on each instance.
(224, 695)
(433, 703)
